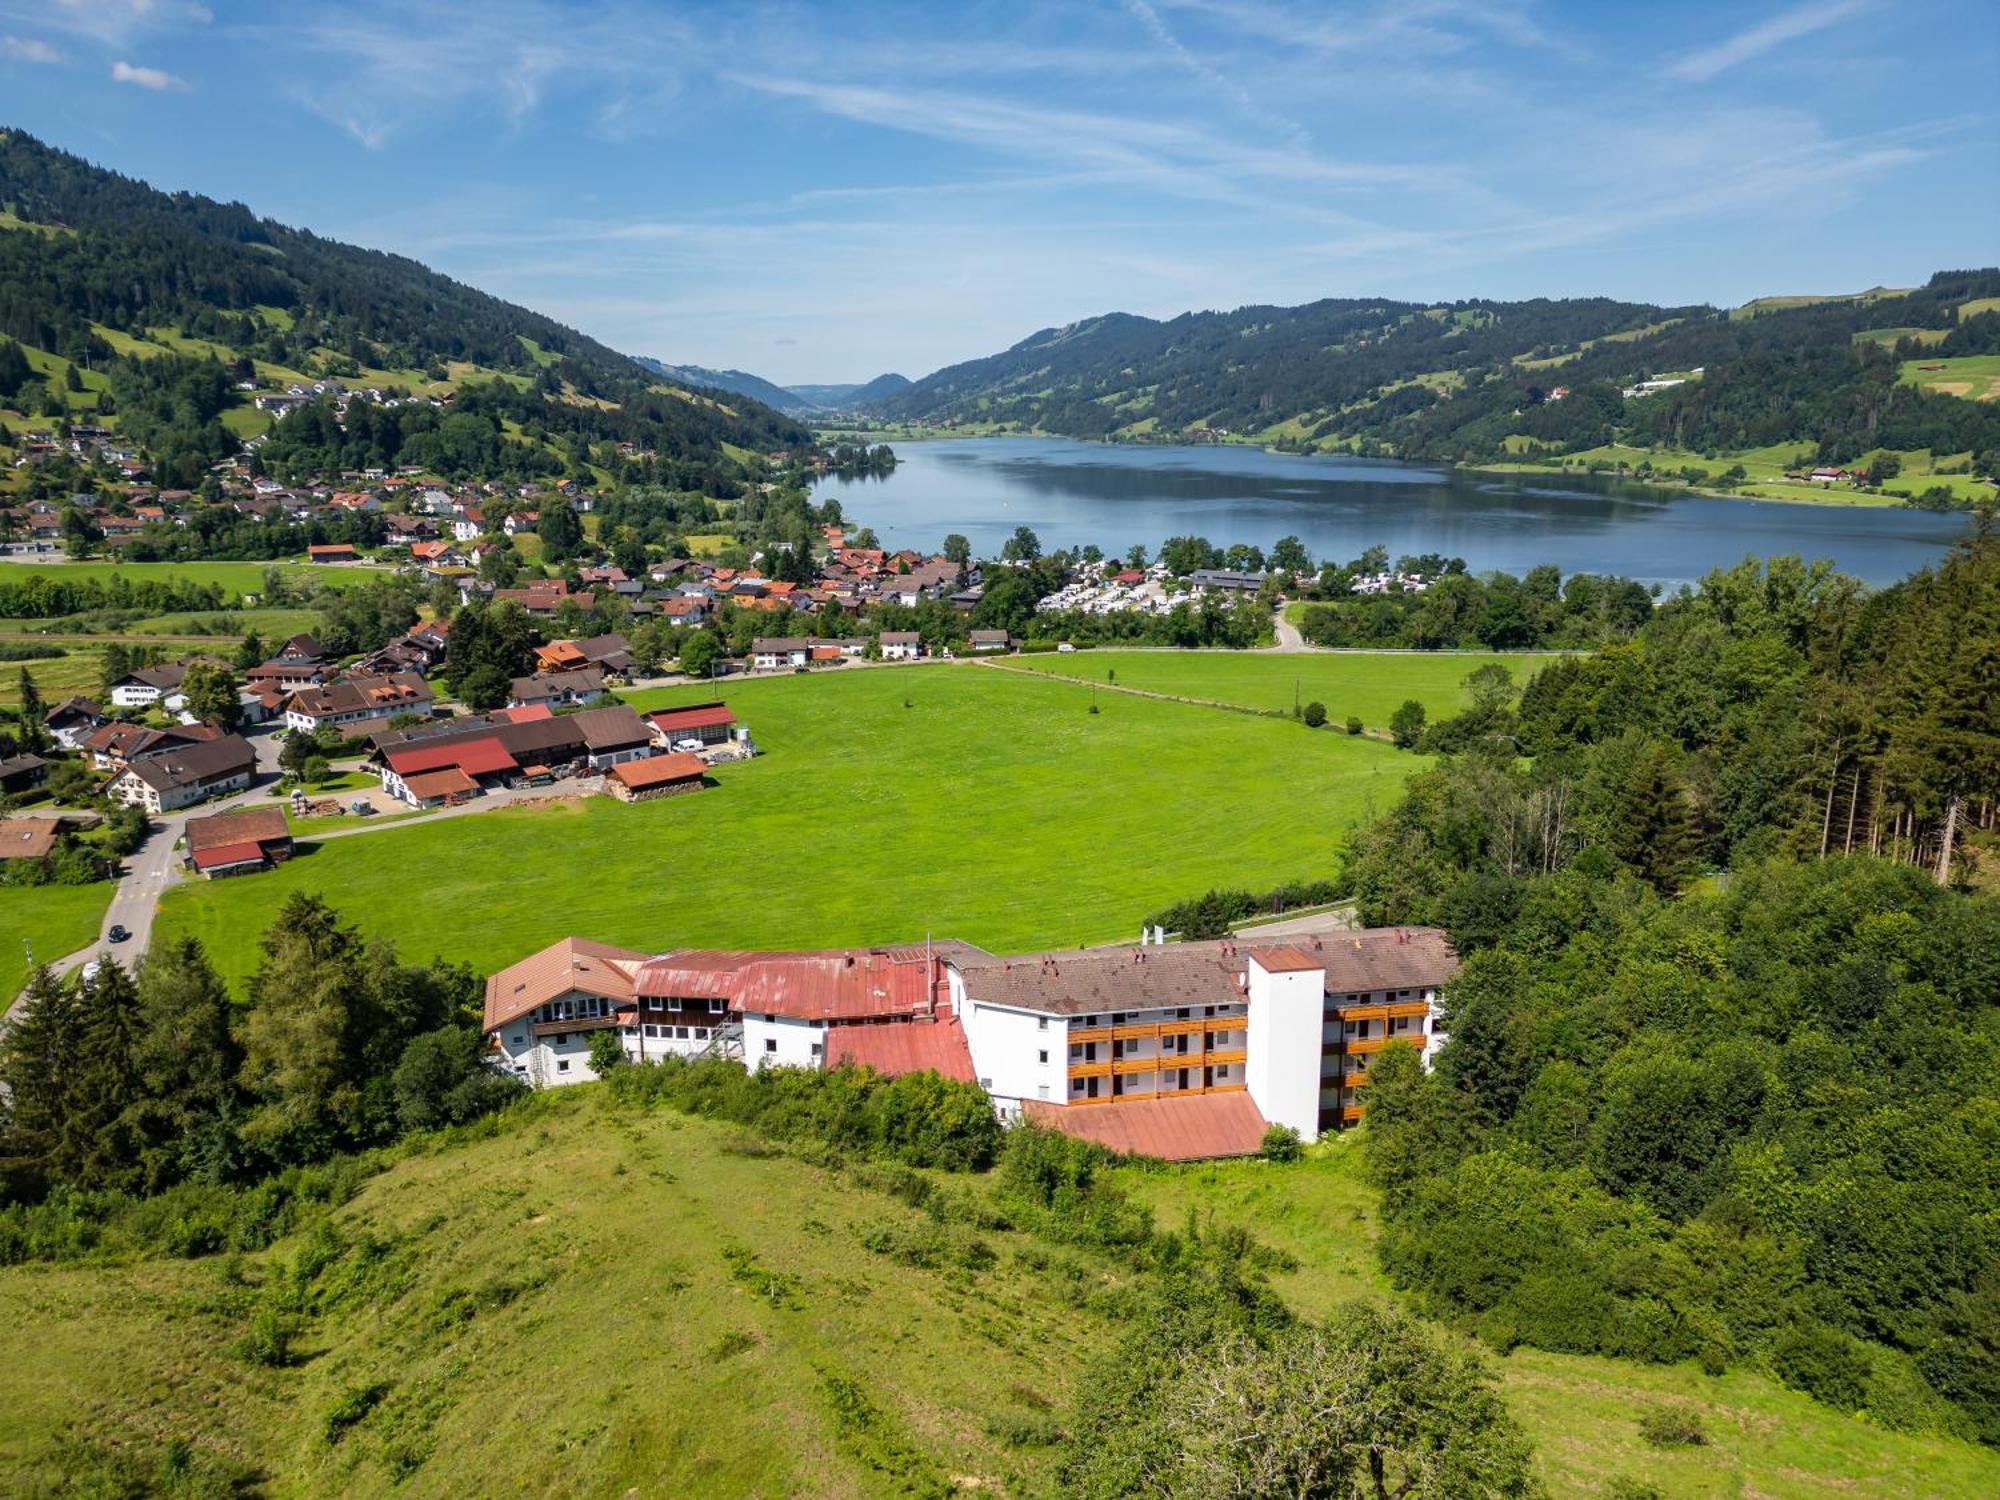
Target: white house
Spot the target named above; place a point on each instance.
(901, 645)
(146, 686)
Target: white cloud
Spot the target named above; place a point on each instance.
(1786, 26)
(156, 79)
(28, 49)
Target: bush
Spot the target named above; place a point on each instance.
(1672, 1427)
(1315, 714)
(1281, 1144)
(606, 1052)
(1354, 724)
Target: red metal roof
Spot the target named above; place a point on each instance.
(474, 757)
(848, 985)
(1195, 1127)
(228, 854)
(528, 713)
(1285, 960)
(892, 1047)
(701, 716)
(445, 783)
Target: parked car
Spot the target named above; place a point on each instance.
(689, 745)
(1065, 647)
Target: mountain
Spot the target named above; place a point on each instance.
(98, 268)
(738, 382)
(852, 397)
(1474, 379)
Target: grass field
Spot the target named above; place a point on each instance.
(1975, 376)
(1372, 685)
(995, 808)
(55, 919)
(508, 1342)
(237, 578)
(1764, 1441)
(1765, 469)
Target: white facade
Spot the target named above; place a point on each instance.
(771, 1041)
(1286, 1040)
(1016, 1054)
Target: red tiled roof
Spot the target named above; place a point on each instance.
(474, 757)
(658, 770)
(222, 855)
(439, 783)
(1286, 960)
(572, 964)
(892, 1047)
(1197, 1127)
(842, 985)
(527, 713)
(700, 716)
(253, 826)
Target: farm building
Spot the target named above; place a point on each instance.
(709, 723)
(655, 776)
(185, 775)
(238, 843)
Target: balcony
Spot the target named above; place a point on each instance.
(1353, 1045)
(1133, 1033)
(1228, 1055)
(1090, 1069)
(1130, 1065)
(578, 1023)
(1380, 1009)
(1090, 1033)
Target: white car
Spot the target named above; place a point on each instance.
(1065, 648)
(692, 745)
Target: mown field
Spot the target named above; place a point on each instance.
(1765, 469)
(55, 919)
(1371, 684)
(233, 578)
(960, 801)
(482, 1328)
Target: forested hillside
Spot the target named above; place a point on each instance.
(1480, 379)
(102, 275)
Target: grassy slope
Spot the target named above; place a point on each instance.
(1373, 685)
(1764, 1441)
(56, 919)
(553, 1316)
(995, 808)
(232, 577)
(561, 1282)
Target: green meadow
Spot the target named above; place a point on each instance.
(54, 919)
(960, 801)
(233, 578)
(1372, 685)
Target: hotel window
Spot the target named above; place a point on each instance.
(1222, 1071)
(1350, 1028)
(770, 1044)
(1043, 1056)
(563, 1066)
(655, 1003)
(680, 1033)
(715, 1007)
(1075, 1051)
(1041, 1023)
(818, 1047)
(1181, 1014)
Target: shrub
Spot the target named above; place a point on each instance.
(1315, 714)
(1281, 1144)
(1672, 1427)
(1354, 724)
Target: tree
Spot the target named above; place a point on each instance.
(297, 748)
(15, 371)
(1022, 546)
(188, 1057)
(32, 715)
(1407, 723)
(212, 695)
(957, 549)
(560, 530)
(699, 653)
(1289, 555)
(606, 1052)
(251, 652)
(317, 768)
(1315, 714)
(1651, 825)
(484, 689)
(1373, 1403)
(442, 1078)
(80, 534)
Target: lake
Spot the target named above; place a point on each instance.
(1074, 493)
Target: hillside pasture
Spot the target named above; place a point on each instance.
(55, 920)
(1973, 376)
(1372, 685)
(888, 803)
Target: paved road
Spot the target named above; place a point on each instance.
(1288, 635)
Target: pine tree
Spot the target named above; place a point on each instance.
(105, 1094)
(305, 1035)
(188, 1058)
(37, 1057)
(1652, 824)
(32, 714)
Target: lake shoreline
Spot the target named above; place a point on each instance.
(1828, 501)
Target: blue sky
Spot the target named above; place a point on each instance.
(822, 192)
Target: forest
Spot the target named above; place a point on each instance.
(1745, 1117)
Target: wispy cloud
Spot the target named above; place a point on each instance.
(1786, 26)
(28, 50)
(157, 79)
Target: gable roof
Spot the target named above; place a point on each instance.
(1198, 1127)
(913, 1046)
(188, 765)
(253, 826)
(658, 770)
(694, 716)
(611, 728)
(574, 964)
(28, 838)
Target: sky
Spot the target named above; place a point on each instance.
(824, 192)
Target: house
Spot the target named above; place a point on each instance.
(684, 609)
(543, 600)
(901, 645)
(613, 735)
(181, 777)
(238, 843)
(146, 686)
(1183, 1051)
(21, 773)
(115, 745)
(768, 655)
(656, 776)
(710, 723)
(557, 689)
(990, 640)
(71, 721)
(351, 704)
(611, 652)
(332, 552)
(407, 771)
(28, 838)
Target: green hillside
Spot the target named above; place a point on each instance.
(591, 1298)
(1482, 380)
(99, 271)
